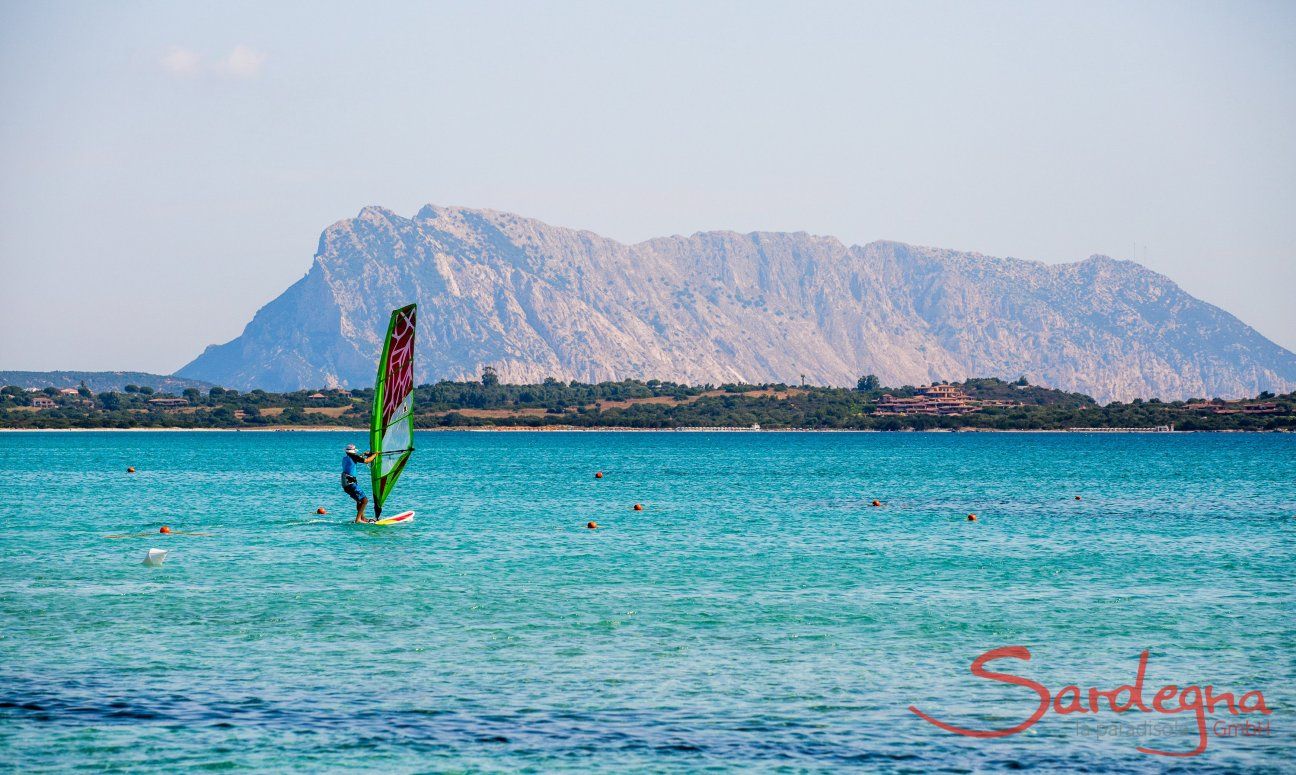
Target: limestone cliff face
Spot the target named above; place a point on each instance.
(537, 301)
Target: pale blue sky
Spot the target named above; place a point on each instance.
(166, 168)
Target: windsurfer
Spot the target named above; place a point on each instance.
(350, 485)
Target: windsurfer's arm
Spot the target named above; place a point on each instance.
(370, 457)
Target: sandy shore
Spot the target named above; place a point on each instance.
(268, 429)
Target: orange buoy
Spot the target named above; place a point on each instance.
(972, 518)
(320, 510)
(638, 507)
(592, 525)
(876, 503)
(130, 469)
(598, 474)
(165, 529)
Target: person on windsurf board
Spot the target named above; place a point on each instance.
(350, 484)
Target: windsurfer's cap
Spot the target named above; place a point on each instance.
(351, 448)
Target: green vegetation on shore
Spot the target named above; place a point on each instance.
(992, 404)
(99, 381)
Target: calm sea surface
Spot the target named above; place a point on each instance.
(758, 614)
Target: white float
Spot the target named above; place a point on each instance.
(155, 557)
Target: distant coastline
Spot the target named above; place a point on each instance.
(973, 405)
(621, 429)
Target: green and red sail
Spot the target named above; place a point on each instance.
(391, 429)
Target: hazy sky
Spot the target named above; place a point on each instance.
(166, 168)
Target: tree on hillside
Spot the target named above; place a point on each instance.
(868, 383)
(489, 378)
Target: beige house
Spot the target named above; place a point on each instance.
(931, 400)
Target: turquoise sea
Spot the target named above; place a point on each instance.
(757, 615)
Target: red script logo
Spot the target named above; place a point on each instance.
(1169, 699)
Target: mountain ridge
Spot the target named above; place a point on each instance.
(535, 300)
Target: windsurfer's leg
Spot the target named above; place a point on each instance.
(360, 499)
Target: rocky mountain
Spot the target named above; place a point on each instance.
(536, 301)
